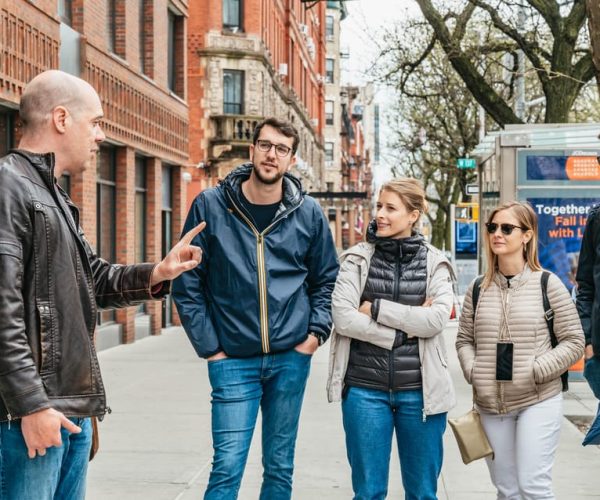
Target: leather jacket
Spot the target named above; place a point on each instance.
(52, 286)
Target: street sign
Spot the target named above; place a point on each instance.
(466, 163)
(472, 189)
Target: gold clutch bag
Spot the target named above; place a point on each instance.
(470, 436)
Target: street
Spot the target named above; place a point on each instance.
(156, 444)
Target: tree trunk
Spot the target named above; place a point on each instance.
(593, 9)
(438, 228)
(560, 97)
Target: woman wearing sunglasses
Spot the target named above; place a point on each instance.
(388, 365)
(506, 354)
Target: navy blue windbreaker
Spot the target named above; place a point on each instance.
(256, 292)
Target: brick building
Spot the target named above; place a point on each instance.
(249, 59)
(133, 53)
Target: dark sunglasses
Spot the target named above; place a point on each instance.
(506, 229)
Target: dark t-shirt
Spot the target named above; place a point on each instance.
(261, 214)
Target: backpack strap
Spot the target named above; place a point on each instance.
(549, 317)
(476, 290)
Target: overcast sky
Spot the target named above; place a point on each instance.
(363, 24)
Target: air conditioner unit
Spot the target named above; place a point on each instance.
(283, 69)
(303, 29)
(314, 122)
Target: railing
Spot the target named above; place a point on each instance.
(233, 128)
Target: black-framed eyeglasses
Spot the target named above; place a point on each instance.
(280, 149)
(506, 229)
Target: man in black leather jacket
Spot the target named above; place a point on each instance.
(52, 284)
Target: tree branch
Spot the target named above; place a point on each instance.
(483, 93)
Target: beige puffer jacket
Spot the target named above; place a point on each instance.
(426, 323)
(536, 365)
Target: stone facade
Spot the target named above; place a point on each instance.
(282, 76)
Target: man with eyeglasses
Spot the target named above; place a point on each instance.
(258, 307)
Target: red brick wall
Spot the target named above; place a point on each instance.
(125, 244)
(24, 26)
(153, 231)
(140, 113)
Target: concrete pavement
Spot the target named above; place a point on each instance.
(156, 444)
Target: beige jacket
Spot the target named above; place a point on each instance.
(536, 365)
(426, 323)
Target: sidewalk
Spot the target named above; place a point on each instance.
(156, 444)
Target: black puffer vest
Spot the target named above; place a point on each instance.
(398, 272)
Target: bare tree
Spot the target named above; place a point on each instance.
(435, 121)
(551, 35)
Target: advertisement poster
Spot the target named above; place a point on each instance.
(561, 225)
(466, 240)
(563, 168)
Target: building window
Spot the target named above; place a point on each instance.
(329, 151)
(175, 49)
(140, 209)
(7, 127)
(232, 15)
(329, 69)
(330, 186)
(112, 24)
(140, 215)
(106, 212)
(233, 92)
(329, 28)
(65, 11)
(329, 107)
(167, 232)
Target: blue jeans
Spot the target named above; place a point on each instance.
(276, 383)
(59, 474)
(370, 417)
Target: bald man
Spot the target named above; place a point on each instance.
(52, 284)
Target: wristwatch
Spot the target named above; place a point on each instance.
(319, 336)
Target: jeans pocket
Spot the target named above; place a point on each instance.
(303, 354)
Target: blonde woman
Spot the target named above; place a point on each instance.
(388, 365)
(505, 352)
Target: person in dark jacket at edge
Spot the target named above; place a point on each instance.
(258, 307)
(52, 284)
(588, 298)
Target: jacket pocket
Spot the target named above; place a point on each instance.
(472, 373)
(48, 338)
